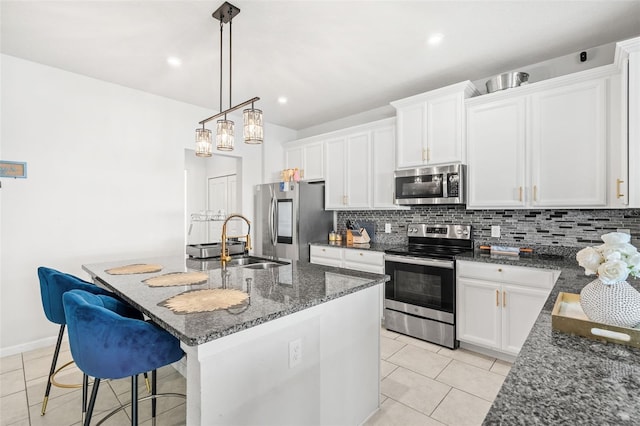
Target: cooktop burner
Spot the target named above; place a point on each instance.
(435, 241)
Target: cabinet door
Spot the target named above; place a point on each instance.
(335, 179)
(568, 144)
(313, 161)
(383, 152)
(410, 121)
(496, 154)
(520, 309)
(364, 260)
(478, 312)
(444, 129)
(293, 157)
(329, 256)
(358, 171)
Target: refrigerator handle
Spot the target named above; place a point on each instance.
(273, 214)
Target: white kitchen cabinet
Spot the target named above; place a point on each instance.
(498, 304)
(496, 136)
(328, 256)
(539, 148)
(568, 145)
(348, 173)
(430, 126)
(364, 260)
(308, 158)
(624, 183)
(383, 167)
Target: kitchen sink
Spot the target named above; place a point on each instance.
(253, 262)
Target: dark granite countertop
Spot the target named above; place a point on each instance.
(274, 293)
(562, 379)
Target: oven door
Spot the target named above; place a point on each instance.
(421, 287)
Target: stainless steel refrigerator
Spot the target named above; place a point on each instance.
(288, 217)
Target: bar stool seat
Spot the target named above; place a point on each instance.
(107, 345)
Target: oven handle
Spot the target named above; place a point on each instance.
(448, 264)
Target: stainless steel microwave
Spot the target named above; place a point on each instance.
(443, 184)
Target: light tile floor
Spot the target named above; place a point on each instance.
(422, 384)
(425, 384)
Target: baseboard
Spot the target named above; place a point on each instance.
(489, 352)
(26, 347)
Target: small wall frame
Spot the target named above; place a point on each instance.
(13, 169)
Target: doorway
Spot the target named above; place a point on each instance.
(222, 201)
(203, 198)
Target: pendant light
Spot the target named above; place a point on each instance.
(253, 125)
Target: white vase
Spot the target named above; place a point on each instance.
(613, 304)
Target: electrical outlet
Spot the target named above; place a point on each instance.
(295, 353)
(495, 231)
(387, 228)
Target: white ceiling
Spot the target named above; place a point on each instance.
(329, 58)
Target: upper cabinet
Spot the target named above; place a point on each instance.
(308, 158)
(539, 147)
(357, 165)
(626, 169)
(430, 126)
(348, 177)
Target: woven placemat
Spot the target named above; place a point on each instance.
(136, 268)
(177, 278)
(205, 300)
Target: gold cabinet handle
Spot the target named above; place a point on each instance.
(535, 193)
(520, 195)
(504, 299)
(618, 194)
(428, 154)
(423, 154)
(301, 173)
(497, 297)
(499, 269)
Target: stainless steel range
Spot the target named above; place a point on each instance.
(420, 299)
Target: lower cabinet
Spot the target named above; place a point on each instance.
(328, 256)
(358, 260)
(498, 304)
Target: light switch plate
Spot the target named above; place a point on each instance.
(387, 228)
(495, 231)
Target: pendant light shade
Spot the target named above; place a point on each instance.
(204, 146)
(253, 129)
(224, 135)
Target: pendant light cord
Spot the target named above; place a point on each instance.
(230, 38)
(221, 24)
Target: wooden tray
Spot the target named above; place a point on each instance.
(567, 316)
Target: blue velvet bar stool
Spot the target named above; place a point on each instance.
(53, 284)
(107, 345)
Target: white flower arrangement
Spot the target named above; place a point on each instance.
(613, 261)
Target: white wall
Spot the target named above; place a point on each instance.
(105, 182)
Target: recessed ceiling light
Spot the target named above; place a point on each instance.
(174, 62)
(282, 100)
(435, 39)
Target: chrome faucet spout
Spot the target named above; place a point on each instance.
(224, 255)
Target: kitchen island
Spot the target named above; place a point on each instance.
(562, 379)
(303, 349)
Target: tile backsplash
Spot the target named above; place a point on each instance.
(521, 228)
